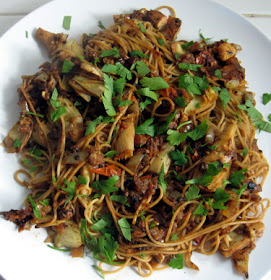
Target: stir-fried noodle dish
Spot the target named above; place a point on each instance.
(140, 148)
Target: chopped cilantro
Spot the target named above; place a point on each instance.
(238, 177)
(269, 117)
(34, 114)
(113, 52)
(200, 210)
(225, 97)
(125, 103)
(110, 154)
(164, 127)
(119, 198)
(148, 93)
(189, 66)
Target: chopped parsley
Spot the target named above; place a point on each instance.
(218, 74)
(110, 154)
(179, 157)
(113, 52)
(193, 85)
(82, 180)
(177, 262)
(118, 85)
(70, 190)
(146, 128)
(100, 24)
(125, 228)
(142, 69)
(200, 210)
(240, 191)
(120, 198)
(34, 114)
(154, 83)
(107, 96)
(91, 126)
(139, 54)
(148, 93)
(238, 177)
(106, 186)
(266, 98)
(244, 152)
(161, 179)
(160, 42)
(225, 97)
(59, 249)
(199, 131)
(189, 66)
(17, 143)
(56, 114)
(164, 127)
(35, 208)
(26, 34)
(142, 27)
(192, 192)
(99, 271)
(67, 66)
(174, 237)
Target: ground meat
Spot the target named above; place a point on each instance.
(233, 70)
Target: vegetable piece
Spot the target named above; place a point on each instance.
(108, 170)
(125, 228)
(69, 236)
(177, 261)
(107, 96)
(161, 179)
(154, 83)
(67, 22)
(192, 192)
(110, 154)
(146, 128)
(162, 158)
(106, 186)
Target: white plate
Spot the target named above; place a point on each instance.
(24, 255)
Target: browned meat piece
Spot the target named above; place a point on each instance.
(95, 157)
(158, 233)
(233, 70)
(52, 41)
(172, 28)
(188, 58)
(22, 218)
(156, 18)
(226, 51)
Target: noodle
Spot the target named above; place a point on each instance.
(134, 146)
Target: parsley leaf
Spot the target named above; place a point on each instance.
(238, 177)
(174, 237)
(70, 189)
(59, 249)
(187, 45)
(148, 93)
(100, 24)
(123, 71)
(125, 103)
(192, 192)
(107, 96)
(193, 85)
(82, 180)
(164, 127)
(221, 196)
(146, 128)
(110, 154)
(199, 131)
(16, 143)
(154, 83)
(118, 85)
(225, 97)
(106, 186)
(108, 247)
(35, 208)
(269, 117)
(175, 137)
(67, 22)
(144, 104)
(125, 228)
(266, 98)
(256, 116)
(53, 99)
(203, 38)
(180, 101)
(218, 74)
(190, 66)
(177, 262)
(56, 114)
(119, 198)
(67, 66)
(244, 152)
(141, 68)
(142, 27)
(33, 114)
(113, 52)
(240, 191)
(179, 157)
(91, 126)
(138, 53)
(200, 210)
(161, 179)
(99, 271)
(160, 42)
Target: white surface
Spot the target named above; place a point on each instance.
(24, 255)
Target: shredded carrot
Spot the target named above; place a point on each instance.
(108, 170)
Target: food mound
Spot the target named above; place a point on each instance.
(140, 147)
